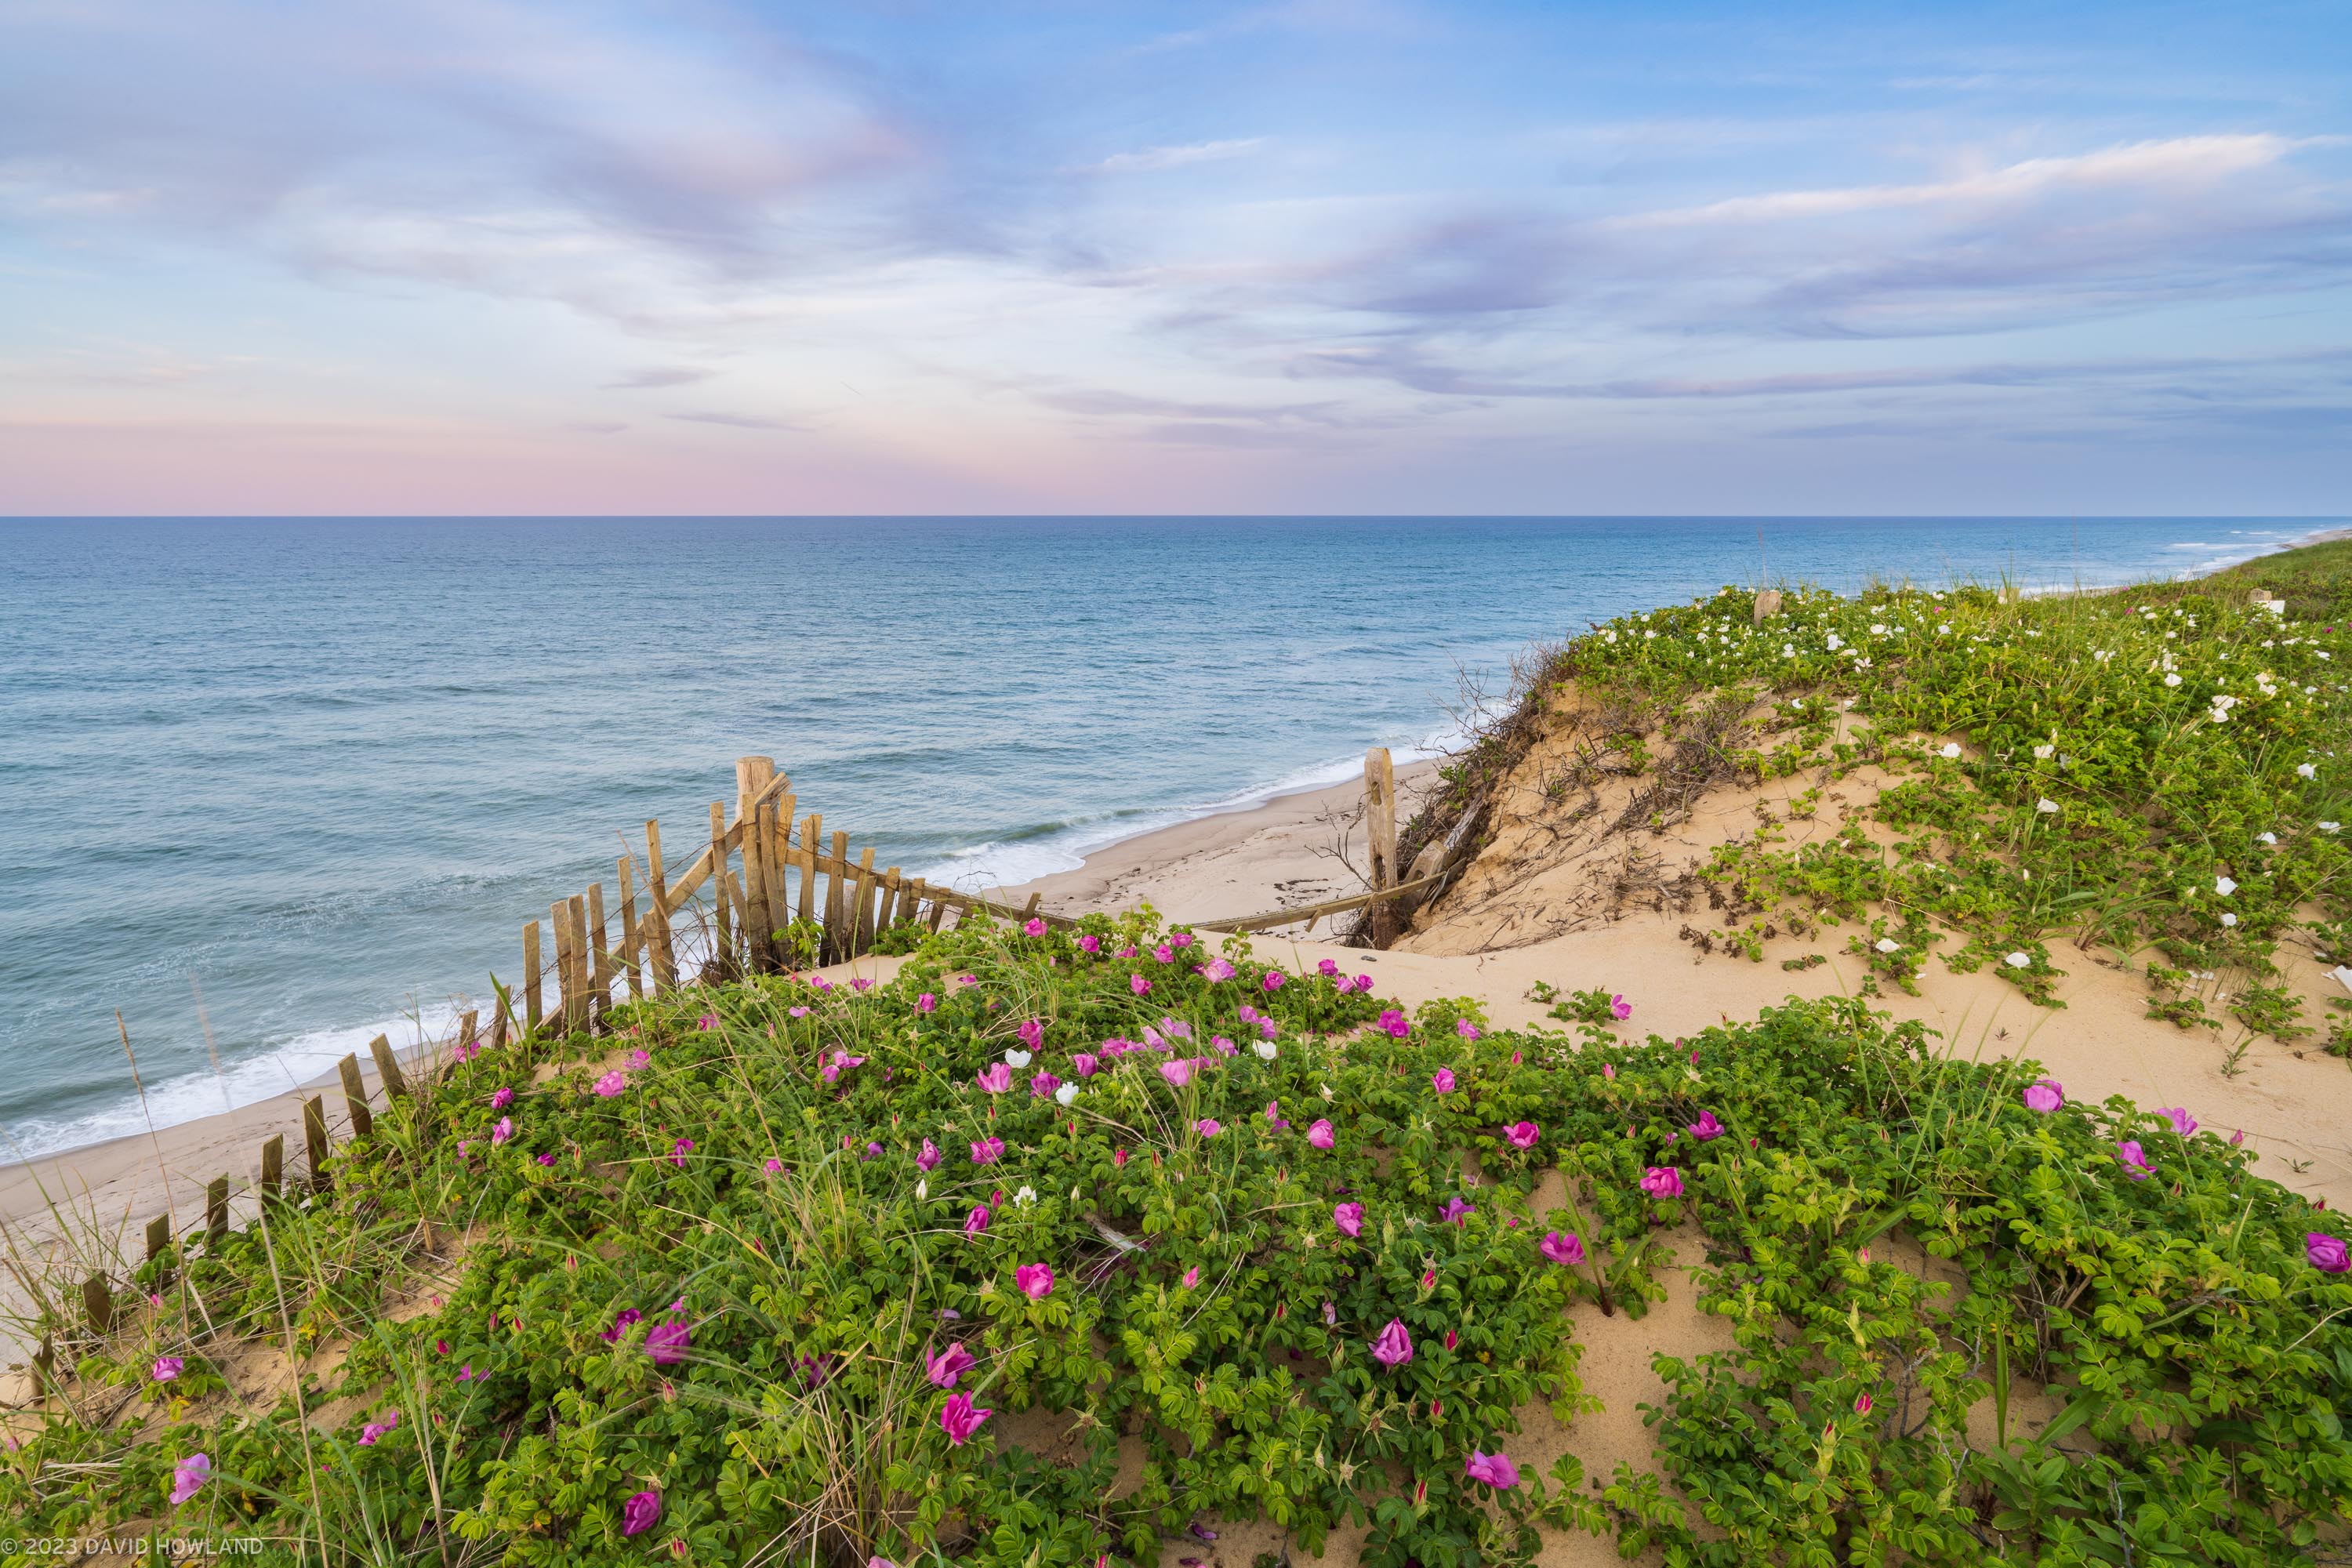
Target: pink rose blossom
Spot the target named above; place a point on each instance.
(950, 1364)
(1662, 1181)
(1321, 1136)
(1705, 1128)
(1394, 1347)
(1565, 1248)
(1036, 1279)
(641, 1512)
(1619, 1008)
(1350, 1218)
(1523, 1135)
(1217, 969)
(1493, 1470)
(501, 1099)
(611, 1084)
(988, 1150)
(977, 1220)
(1441, 1080)
(1139, 985)
(927, 1003)
(929, 1160)
(958, 1418)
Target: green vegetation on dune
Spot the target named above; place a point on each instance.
(2161, 770)
(1062, 1245)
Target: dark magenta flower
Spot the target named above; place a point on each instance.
(1662, 1181)
(1706, 1127)
(1394, 1347)
(1493, 1470)
(959, 1419)
(929, 1160)
(620, 1325)
(976, 1221)
(501, 1099)
(1275, 980)
(1456, 1211)
(640, 1512)
(667, 1341)
(2327, 1253)
(1564, 1248)
(950, 1364)
(1523, 1135)
(1395, 1023)
(1036, 1279)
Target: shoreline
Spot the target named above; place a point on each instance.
(1277, 851)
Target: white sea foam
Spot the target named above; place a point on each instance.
(270, 1070)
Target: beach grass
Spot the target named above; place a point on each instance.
(1223, 1242)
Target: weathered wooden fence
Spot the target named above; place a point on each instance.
(764, 894)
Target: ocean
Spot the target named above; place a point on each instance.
(269, 786)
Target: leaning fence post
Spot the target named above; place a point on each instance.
(530, 977)
(657, 946)
(216, 1209)
(273, 1166)
(314, 1140)
(387, 1068)
(1379, 831)
(355, 1096)
(97, 1300)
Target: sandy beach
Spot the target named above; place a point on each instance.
(85, 1207)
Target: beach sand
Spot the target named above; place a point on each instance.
(1534, 906)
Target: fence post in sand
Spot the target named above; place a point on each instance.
(387, 1068)
(530, 977)
(861, 912)
(809, 843)
(723, 942)
(314, 1140)
(600, 979)
(466, 1026)
(836, 898)
(355, 1096)
(1380, 833)
(628, 953)
(273, 1167)
(893, 889)
(97, 1300)
(752, 776)
(216, 1209)
(779, 839)
(939, 907)
(557, 918)
(575, 990)
(658, 947)
(159, 1235)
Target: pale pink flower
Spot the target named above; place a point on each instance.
(988, 1150)
(612, 1083)
(995, 1078)
(189, 1476)
(1139, 985)
(1619, 1008)
(1350, 1218)
(1217, 969)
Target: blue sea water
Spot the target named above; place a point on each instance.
(297, 780)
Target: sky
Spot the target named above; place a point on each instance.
(1086, 257)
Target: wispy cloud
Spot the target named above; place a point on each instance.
(653, 376)
(1154, 158)
(738, 421)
